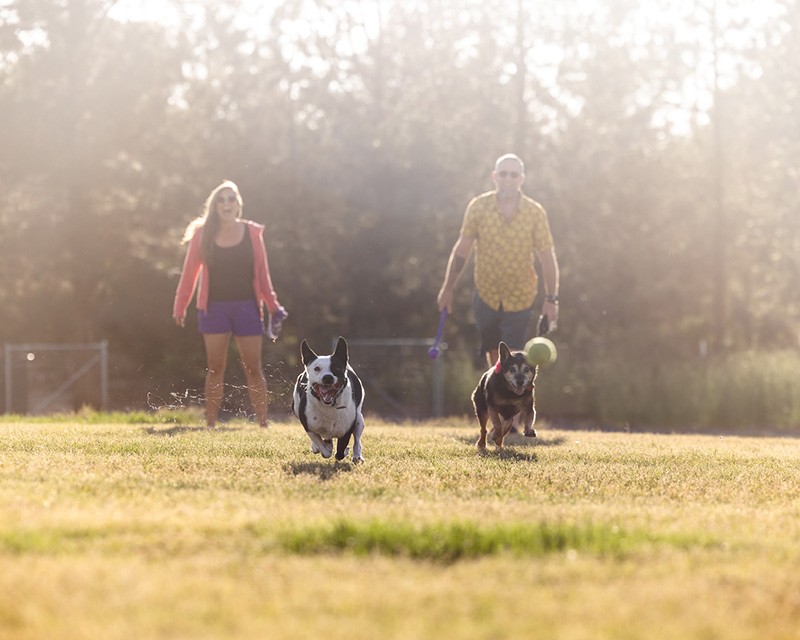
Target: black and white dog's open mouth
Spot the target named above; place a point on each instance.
(327, 393)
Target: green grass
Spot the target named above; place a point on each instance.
(452, 541)
(146, 529)
(91, 416)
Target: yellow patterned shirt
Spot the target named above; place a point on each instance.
(504, 250)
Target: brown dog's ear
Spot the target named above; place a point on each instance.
(504, 351)
(307, 353)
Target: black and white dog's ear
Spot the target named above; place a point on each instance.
(308, 354)
(341, 350)
(504, 351)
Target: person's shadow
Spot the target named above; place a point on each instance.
(171, 432)
(179, 429)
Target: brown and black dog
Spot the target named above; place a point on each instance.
(505, 394)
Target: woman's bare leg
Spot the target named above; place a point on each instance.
(250, 353)
(216, 359)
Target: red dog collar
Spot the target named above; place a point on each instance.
(498, 367)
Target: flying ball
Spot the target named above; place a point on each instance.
(540, 352)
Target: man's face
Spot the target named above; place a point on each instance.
(508, 178)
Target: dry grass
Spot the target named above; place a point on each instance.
(158, 531)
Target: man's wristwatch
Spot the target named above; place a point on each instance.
(553, 299)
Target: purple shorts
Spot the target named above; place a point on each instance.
(239, 317)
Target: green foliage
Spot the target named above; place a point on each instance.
(358, 134)
(747, 392)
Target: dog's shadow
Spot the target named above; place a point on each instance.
(508, 454)
(512, 445)
(322, 470)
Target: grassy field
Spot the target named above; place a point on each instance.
(161, 531)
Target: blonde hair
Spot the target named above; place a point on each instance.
(208, 220)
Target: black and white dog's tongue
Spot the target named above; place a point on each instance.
(327, 393)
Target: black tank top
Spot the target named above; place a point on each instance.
(230, 272)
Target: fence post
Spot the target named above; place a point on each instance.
(104, 374)
(7, 360)
(101, 357)
(438, 386)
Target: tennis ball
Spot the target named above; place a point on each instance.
(540, 352)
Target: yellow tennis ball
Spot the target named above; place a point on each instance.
(540, 352)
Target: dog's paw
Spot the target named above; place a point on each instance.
(530, 433)
(326, 449)
(358, 459)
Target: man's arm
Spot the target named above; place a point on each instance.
(551, 278)
(455, 267)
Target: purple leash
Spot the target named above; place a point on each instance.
(433, 352)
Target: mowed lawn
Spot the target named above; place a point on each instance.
(158, 531)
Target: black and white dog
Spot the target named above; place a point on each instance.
(327, 399)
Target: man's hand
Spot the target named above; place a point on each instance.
(550, 311)
(445, 300)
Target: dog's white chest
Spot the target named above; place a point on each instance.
(330, 421)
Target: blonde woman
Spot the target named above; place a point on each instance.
(226, 262)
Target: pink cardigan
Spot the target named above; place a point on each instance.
(194, 269)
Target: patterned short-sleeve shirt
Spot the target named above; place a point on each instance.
(504, 250)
